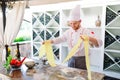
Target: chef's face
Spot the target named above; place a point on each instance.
(75, 24)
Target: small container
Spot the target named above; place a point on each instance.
(117, 37)
(117, 59)
(118, 12)
(98, 22)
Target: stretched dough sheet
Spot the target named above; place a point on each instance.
(86, 44)
(47, 50)
(42, 51)
(74, 49)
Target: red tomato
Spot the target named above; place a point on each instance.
(12, 62)
(18, 63)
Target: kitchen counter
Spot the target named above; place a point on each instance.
(46, 72)
(64, 73)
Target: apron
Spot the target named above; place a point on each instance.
(77, 62)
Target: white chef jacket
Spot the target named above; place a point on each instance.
(71, 37)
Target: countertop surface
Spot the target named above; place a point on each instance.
(45, 72)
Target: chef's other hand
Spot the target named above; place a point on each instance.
(84, 37)
(51, 41)
(43, 42)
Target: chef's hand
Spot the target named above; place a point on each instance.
(43, 42)
(92, 40)
(49, 41)
(84, 37)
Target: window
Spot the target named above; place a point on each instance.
(24, 33)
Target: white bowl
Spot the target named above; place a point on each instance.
(30, 64)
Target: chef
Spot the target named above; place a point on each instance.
(72, 35)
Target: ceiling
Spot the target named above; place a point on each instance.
(42, 2)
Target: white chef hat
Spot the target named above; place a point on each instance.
(75, 14)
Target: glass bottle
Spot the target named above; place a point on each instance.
(18, 52)
(98, 22)
(7, 54)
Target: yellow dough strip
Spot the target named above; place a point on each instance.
(47, 49)
(86, 44)
(74, 49)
